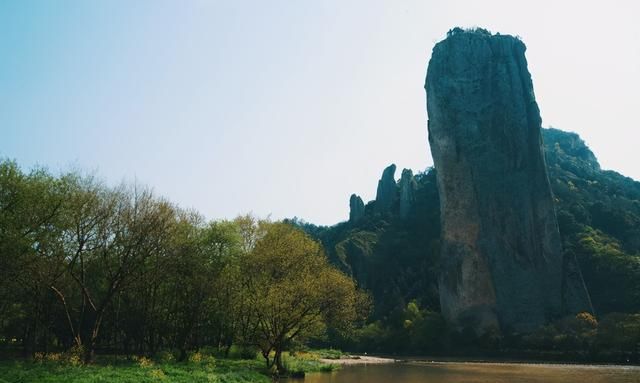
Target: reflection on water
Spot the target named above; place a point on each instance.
(422, 372)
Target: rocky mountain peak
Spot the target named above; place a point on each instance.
(356, 208)
(502, 261)
(387, 192)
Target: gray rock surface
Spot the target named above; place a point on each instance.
(408, 188)
(387, 193)
(502, 261)
(356, 208)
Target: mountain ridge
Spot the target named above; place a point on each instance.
(598, 211)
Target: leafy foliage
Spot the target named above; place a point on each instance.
(599, 218)
(293, 291)
(87, 267)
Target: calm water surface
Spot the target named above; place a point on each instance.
(423, 372)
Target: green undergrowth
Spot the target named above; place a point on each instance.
(329, 353)
(50, 372)
(200, 367)
(306, 362)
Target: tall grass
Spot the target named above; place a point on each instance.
(199, 367)
(142, 370)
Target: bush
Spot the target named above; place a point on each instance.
(298, 366)
(243, 352)
(202, 359)
(143, 362)
(165, 357)
(73, 356)
(330, 354)
(157, 374)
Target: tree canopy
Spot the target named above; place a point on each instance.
(88, 267)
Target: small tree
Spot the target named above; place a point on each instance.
(294, 291)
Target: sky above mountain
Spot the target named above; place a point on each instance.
(285, 108)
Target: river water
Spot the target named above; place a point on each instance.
(425, 372)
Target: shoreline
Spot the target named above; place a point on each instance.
(368, 359)
(547, 364)
(360, 359)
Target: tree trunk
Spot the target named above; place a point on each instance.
(152, 343)
(265, 354)
(278, 361)
(184, 343)
(89, 353)
(90, 346)
(27, 351)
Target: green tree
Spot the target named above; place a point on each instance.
(294, 291)
(108, 237)
(31, 207)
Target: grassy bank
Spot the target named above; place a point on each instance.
(199, 368)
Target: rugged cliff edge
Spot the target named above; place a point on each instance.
(501, 256)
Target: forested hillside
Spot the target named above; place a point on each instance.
(396, 258)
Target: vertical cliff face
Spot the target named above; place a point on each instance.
(502, 261)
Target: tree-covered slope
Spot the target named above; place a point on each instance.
(396, 258)
(599, 217)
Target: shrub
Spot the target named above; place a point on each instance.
(330, 353)
(75, 355)
(243, 352)
(165, 357)
(196, 357)
(157, 374)
(142, 361)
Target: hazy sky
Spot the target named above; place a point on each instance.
(285, 107)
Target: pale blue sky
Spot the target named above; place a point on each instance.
(285, 107)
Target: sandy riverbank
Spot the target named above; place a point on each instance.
(359, 359)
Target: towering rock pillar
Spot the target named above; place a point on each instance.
(502, 261)
(408, 188)
(387, 192)
(356, 208)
